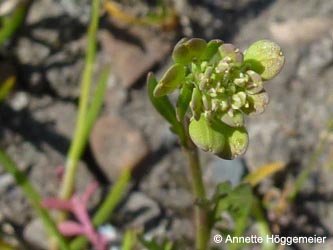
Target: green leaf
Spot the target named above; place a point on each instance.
(161, 104)
(171, 80)
(205, 136)
(183, 101)
(237, 201)
(265, 57)
(165, 108)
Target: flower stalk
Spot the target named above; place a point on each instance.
(200, 212)
(218, 85)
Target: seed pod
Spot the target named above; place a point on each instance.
(236, 120)
(228, 50)
(205, 136)
(236, 142)
(171, 80)
(196, 103)
(196, 47)
(211, 49)
(238, 100)
(207, 102)
(265, 57)
(256, 103)
(255, 85)
(183, 101)
(181, 53)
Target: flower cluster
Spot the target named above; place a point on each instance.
(220, 84)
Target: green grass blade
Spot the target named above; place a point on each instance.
(11, 23)
(96, 101)
(34, 198)
(6, 87)
(129, 240)
(80, 140)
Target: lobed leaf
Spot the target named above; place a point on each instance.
(238, 202)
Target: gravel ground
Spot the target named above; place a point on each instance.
(38, 119)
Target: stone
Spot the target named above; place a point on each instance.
(139, 211)
(7, 70)
(35, 234)
(169, 179)
(161, 137)
(295, 31)
(328, 245)
(39, 146)
(13, 204)
(5, 181)
(117, 145)
(219, 170)
(130, 59)
(19, 101)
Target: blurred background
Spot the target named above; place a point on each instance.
(41, 64)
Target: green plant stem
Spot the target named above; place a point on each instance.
(34, 198)
(80, 136)
(106, 209)
(129, 240)
(11, 23)
(201, 215)
(263, 225)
